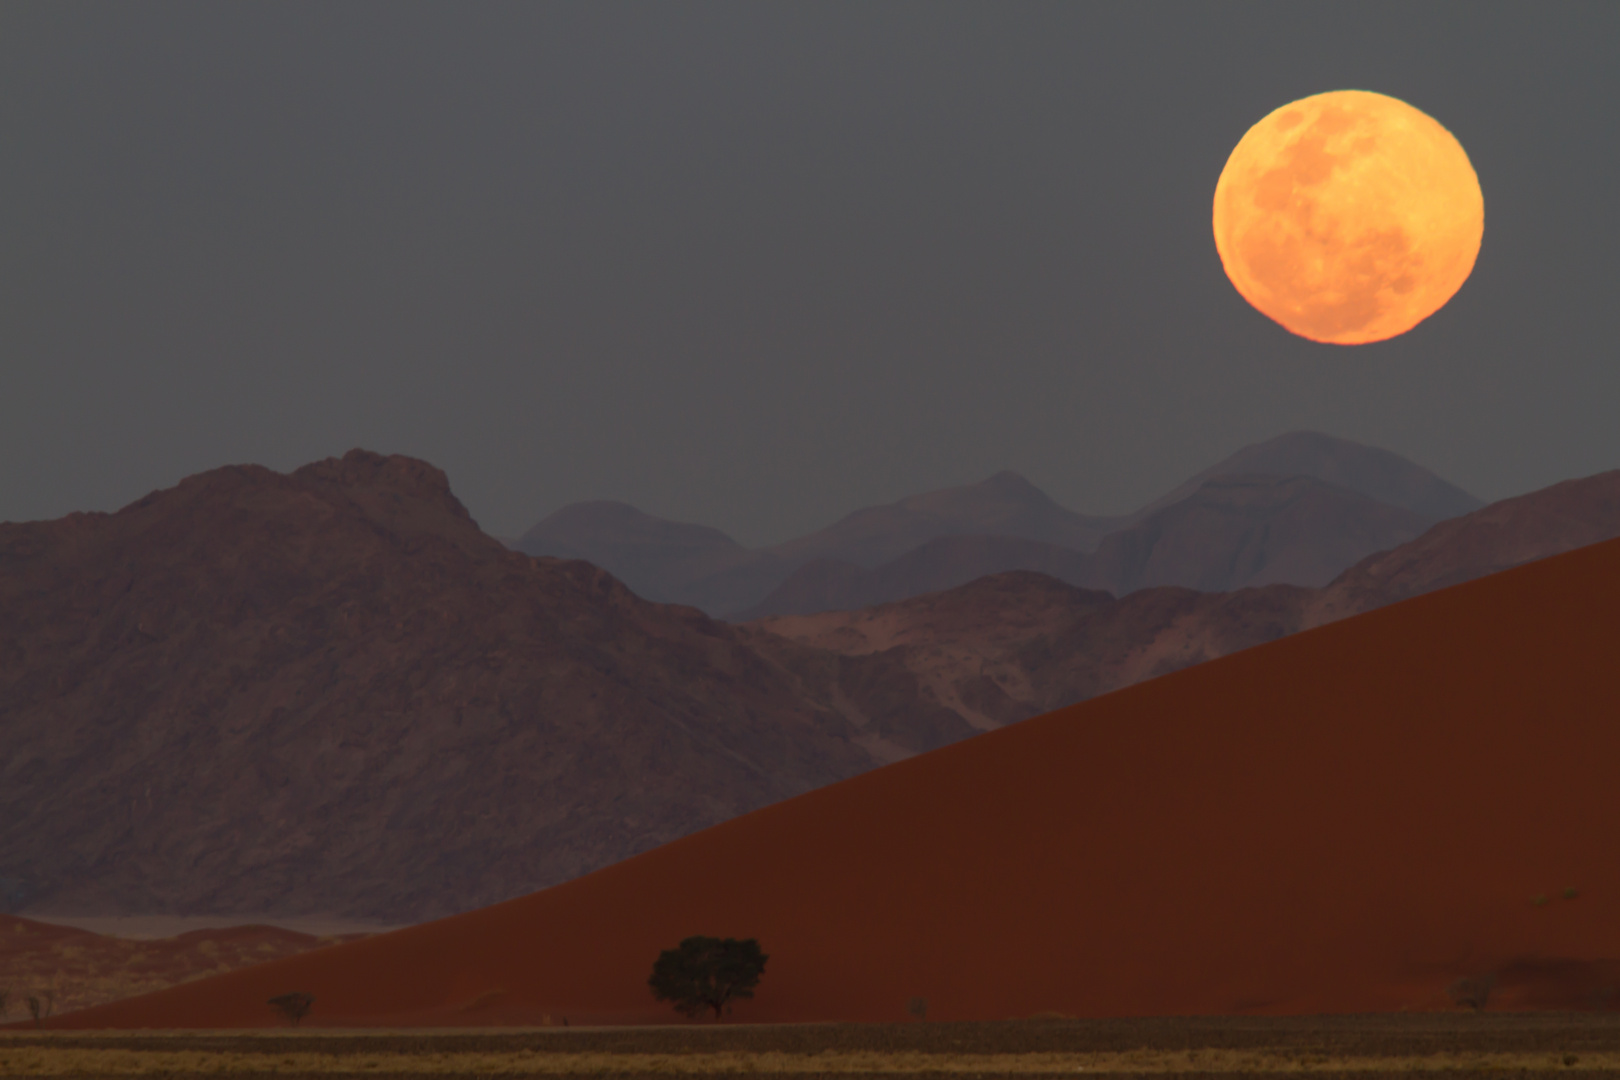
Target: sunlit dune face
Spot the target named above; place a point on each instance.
(1348, 217)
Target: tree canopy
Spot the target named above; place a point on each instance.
(707, 973)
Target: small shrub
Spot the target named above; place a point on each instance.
(1570, 893)
(5, 1003)
(294, 1006)
(1472, 992)
(918, 1007)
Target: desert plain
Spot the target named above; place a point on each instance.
(1455, 1045)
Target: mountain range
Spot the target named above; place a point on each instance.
(1010, 646)
(1380, 815)
(329, 692)
(1230, 532)
(1298, 509)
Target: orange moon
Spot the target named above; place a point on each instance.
(1348, 217)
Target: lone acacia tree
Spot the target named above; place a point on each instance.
(707, 973)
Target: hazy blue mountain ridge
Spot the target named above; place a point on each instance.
(1309, 505)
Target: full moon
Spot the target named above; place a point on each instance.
(1348, 217)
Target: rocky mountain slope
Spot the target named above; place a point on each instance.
(945, 563)
(1555, 519)
(944, 538)
(330, 692)
(1013, 645)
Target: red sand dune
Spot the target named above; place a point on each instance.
(1344, 820)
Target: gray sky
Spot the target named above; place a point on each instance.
(756, 265)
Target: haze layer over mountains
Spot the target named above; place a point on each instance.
(329, 692)
(1296, 509)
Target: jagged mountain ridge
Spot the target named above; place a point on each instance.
(944, 538)
(1231, 532)
(675, 562)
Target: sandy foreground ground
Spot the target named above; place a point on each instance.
(1453, 1045)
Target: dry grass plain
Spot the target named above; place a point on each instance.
(1365, 1047)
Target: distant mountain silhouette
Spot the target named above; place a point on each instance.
(1004, 505)
(658, 559)
(693, 564)
(943, 538)
(1231, 532)
(1016, 644)
(1234, 531)
(1378, 474)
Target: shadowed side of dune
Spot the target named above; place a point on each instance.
(1349, 819)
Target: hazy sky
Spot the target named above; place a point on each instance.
(758, 264)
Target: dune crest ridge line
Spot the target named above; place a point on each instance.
(1346, 820)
